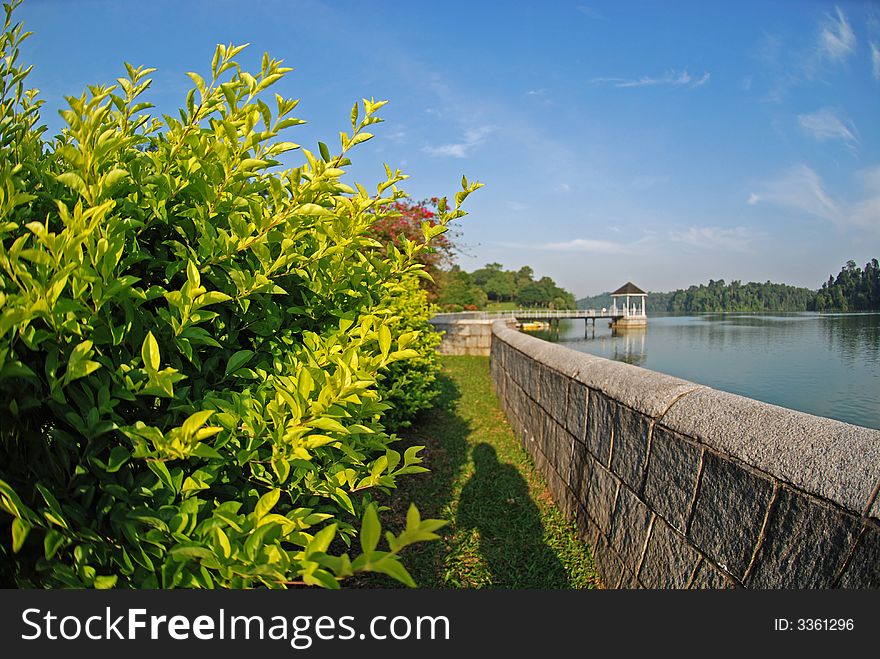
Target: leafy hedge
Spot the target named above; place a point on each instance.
(191, 339)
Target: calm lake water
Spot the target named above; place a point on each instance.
(827, 364)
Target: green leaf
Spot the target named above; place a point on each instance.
(205, 451)
(305, 383)
(79, 365)
(325, 152)
(328, 424)
(266, 503)
(238, 360)
(118, 457)
(370, 529)
(195, 421)
(189, 550)
(322, 540)
(360, 138)
(52, 543)
(384, 340)
(391, 566)
(212, 297)
(20, 530)
(105, 582)
(150, 352)
(192, 274)
(72, 181)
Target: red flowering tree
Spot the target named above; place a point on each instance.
(405, 222)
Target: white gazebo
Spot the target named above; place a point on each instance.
(628, 301)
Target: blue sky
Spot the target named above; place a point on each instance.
(663, 143)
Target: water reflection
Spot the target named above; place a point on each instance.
(629, 345)
(855, 336)
(827, 364)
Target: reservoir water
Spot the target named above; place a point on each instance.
(823, 364)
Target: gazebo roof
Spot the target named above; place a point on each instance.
(629, 288)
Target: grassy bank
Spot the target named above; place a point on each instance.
(504, 531)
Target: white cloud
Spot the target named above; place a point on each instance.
(473, 138)
(590, 246)
(736, 238)
(826, 125)
(866, 212)
(837, 41)
(875, 61)
(799, 188)
(671, 78)
(802, 189)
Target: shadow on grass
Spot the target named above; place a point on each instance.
(496, 502)
(495, 538)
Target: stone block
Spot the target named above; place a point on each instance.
(834, 460)
(630, 528)
(533, 421)
(805, 544)
(863, 569)
(579, 471)
(552, 391)
(587, 529)
(627, 581)
(669, 560)
(602, 497)
(600, 426)
(629, 451)
(562, 456)
(672, 476)
(557, 445)
(608, 563)
(558, 489)
(709, 577)
(576, 410)
(729, 512)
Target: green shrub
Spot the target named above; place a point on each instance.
(409, 386)
(191, 338)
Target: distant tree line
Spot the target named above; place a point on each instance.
(462, 290)
(736, 296)
(854, 289)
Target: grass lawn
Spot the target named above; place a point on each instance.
(504, 531)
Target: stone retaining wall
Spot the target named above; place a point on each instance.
(463, 333)
(676, 485)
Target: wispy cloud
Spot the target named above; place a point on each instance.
(589, 246)
(738, 239)
(802, 189)
(589, 12)
(473, 138)
(671, 78)
(824, 125)
(837, 41)
(875, 61)
(866, 211)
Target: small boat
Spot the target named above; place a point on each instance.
(533, 325)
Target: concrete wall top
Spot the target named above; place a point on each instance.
(829, 459)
